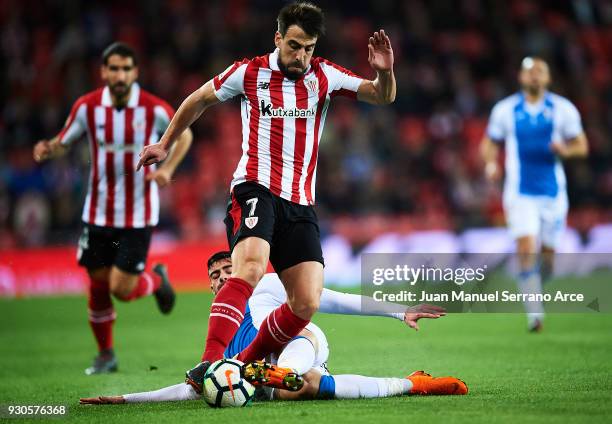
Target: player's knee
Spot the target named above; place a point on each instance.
(120, 289)
(305, 308)
(251, 272)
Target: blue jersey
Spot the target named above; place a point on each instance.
(243, 337)
(532, 168)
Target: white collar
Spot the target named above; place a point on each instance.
(273, 59)
(132, 101)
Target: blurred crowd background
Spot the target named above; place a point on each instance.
(412, 165)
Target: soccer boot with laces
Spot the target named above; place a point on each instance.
(261, 373)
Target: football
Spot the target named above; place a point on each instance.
(224, 385)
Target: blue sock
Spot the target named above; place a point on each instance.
(327, 387)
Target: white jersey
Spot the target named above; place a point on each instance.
(282, 121)
(117, 195)
(532, 169)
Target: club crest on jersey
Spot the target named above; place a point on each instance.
(312, 85)
(251, 221)
(138, 125)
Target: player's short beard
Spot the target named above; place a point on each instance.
(289, 74)
(121, 95)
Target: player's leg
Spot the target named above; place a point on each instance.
(298, 259)
(554, 218)
(249, 224)
(95, 253)
(547, 263)
(249, 263)
(304, 283)
(523, 219)
(102, 317)
(529, 281)
(128, 279)
(352, 386)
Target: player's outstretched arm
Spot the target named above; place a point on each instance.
(190, 110)
(382, 90)
(333, 302)
(181, 391)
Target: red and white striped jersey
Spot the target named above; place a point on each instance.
(282, 121)
(118, 196)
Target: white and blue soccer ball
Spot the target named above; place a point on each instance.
(224, 385)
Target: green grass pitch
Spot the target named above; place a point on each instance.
(561, 375)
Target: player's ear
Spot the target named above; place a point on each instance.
(277, 39)
(103, 72)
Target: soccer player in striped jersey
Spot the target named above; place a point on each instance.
(540, 129)
(122, 206)
(284, 96)
(306, 355)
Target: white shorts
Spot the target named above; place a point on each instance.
(539, 216)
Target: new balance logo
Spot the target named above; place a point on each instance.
(263, 85)
(279, 112)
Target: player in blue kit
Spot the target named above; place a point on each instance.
(539, 129)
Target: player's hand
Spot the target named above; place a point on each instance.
(492, 171)
(559, 149)
(415, 313)
(42, 151)
(151, 154)
(380, 53)
(102, 400)
(161, 176)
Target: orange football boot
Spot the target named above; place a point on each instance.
(261, 373)
(425, 384)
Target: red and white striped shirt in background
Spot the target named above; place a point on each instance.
(118, 196)
(282, 121)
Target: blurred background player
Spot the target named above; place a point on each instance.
(122, 206)
(285, 97)
(540, 129)
(307, 353)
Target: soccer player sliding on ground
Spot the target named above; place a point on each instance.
(307, 353)
(122, 206)
(285, 96)
(539, 129)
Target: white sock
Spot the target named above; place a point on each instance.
(530, 282)
(299, 355)
(350, 386)
(181, 391)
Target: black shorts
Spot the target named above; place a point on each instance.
(126, 248)
(291, 229)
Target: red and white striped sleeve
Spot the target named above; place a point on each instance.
(76, 124)
(230, 83)
(163, 114)
(342, 82)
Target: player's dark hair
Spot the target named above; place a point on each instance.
(120, 49)
(303, 14)
(218, 256)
